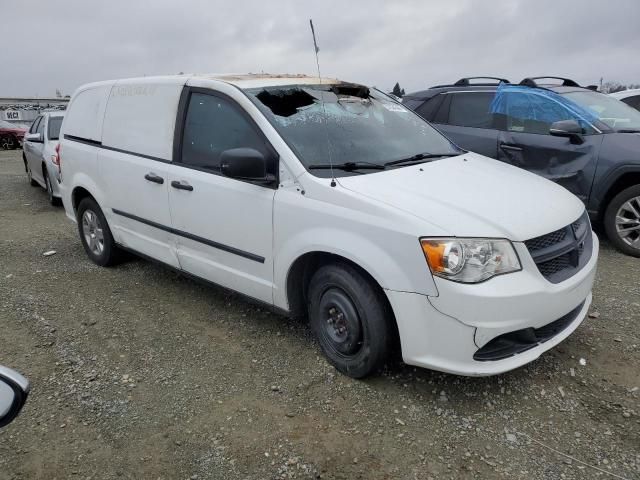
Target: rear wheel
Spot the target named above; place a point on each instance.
(350, 319)
(95, 234)
(5, 142)
(622, 221)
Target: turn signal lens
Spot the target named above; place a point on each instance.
(469, 260)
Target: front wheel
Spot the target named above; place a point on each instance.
(622, 221)
(95, 234)
(350, 319)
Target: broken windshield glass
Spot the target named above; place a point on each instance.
(363, 126)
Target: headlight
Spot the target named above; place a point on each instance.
(469, 260)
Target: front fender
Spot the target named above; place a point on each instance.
(388, 266)
(606, 182)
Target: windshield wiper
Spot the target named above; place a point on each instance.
(628, 130)
(419, 157)
(347, 166)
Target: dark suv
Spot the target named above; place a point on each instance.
(585, 141)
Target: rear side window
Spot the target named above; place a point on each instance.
(213, 125)
(471, 109)
(54, 128)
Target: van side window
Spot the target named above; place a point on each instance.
(212, 126)
(471, 109)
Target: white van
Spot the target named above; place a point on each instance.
(331, 200)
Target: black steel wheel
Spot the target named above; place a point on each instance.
(350, 318)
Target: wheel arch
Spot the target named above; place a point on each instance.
(78, 194)
(301, 271)
(620, 180)
(626, 179)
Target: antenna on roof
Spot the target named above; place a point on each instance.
(324, 110)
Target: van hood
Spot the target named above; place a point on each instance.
(472, 196)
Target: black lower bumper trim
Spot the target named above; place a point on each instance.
(518, 341)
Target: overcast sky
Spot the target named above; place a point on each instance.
(62, 44)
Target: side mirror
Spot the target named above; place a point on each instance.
(244, 164)
(14, 389)
(569, 129)
(34, 137)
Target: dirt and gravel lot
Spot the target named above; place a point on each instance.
(138, 372)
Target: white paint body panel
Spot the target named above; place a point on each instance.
(374, 220)
(139, 118)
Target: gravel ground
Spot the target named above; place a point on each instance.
(138, 372)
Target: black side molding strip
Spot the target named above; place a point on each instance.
(96, 143)
(86, 141)
(195, 238)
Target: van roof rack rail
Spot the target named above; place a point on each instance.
(464, 82)
(531, 81)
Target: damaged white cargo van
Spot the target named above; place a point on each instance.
(331, 200)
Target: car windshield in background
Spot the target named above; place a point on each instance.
(610, 111)
(54, 127)
(361, 128)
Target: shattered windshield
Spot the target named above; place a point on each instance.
(356, 125)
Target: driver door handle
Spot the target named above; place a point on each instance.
(181, 185)
(513, 148)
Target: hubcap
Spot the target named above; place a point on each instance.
(628, 222)
(342, 326)
(92, 231)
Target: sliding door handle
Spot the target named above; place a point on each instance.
(513, 148)
(181, 185)
(152, 177)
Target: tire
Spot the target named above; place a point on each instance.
(32, 182)
(95, 234)
(55, 201)
(622, 221)
(341, 297)
(5, 141)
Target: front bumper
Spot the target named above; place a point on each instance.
(445, 331)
